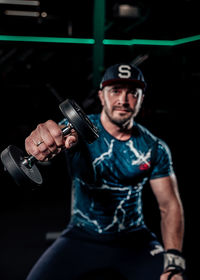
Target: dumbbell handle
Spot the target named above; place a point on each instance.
(30, 160)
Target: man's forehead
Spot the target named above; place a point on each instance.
(123, 86)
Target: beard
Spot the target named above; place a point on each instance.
(121, 121)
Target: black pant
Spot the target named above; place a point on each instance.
(80, 255)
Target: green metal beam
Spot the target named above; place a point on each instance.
(98, 33)
(151, 42)
(186, 40)
(91, 41)
(47, 39)
(137, 42)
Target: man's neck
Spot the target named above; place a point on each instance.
(122, 133)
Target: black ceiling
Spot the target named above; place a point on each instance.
(32, 73)
(158, 19)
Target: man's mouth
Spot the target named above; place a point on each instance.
(122, 109)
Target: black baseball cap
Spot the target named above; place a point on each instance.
(119, 73)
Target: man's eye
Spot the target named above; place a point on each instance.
(115, 90)
(134, 93)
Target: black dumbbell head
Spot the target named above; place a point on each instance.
(12, 158)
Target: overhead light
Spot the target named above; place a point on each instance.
(20, 2)
(44, 14)
(13, 10)
(21, 13)
(129, 11)
(126, 11)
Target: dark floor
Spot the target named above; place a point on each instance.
(23, 237)
(26, 226)
(26, 219)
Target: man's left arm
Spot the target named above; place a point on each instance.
(166, 192)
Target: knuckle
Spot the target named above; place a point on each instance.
(27, 142)
(56, 133)
(42, 148)
(40, 126)
(50, 122)
(34, 151)
(54, 129)
(41, 157)
(31, 135)
(29, 146)
(50, 143)
(51, 125)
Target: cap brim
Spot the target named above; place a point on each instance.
(138, 83)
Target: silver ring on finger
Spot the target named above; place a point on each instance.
(39, 143)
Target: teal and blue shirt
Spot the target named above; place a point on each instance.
(109, 175)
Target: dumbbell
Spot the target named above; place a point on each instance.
(23, 168)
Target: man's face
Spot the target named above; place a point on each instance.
(121, 102)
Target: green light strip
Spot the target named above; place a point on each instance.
(46, 39)
(138, 42)
(186, 40)
(151, 42)
(105, 41)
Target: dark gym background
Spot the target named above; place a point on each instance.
(36, 76)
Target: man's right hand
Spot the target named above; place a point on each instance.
(47, 140)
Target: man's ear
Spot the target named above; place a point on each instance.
(101, 97)
(142, 98)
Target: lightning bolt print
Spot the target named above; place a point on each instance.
(105, 155)
(122, 207)
(140, 157)
(108, 178)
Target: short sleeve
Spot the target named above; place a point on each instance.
(162, 165)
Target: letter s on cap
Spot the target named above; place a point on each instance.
(124, 71)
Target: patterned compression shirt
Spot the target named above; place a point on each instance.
(109, 175)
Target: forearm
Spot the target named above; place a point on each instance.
(172, 226)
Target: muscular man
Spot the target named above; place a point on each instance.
(107, 234)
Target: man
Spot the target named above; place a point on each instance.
(107, 234)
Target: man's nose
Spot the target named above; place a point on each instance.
(123, 98)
